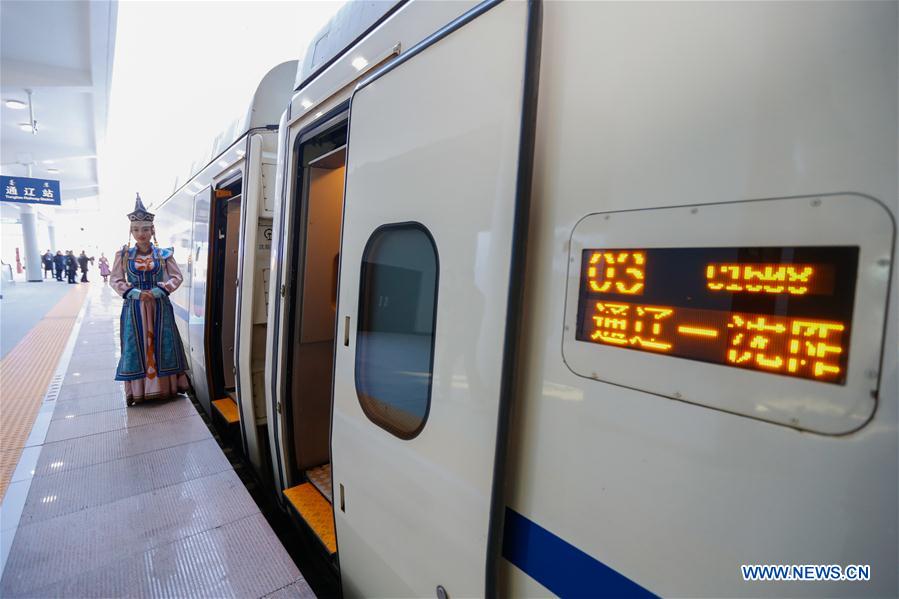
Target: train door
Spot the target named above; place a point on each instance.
(432, 201)
(311, 314)
(252, 301)
(199, 261)
(222, 300)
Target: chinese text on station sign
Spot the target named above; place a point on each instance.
(27, 190)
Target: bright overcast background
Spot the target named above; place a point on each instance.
(183, 72)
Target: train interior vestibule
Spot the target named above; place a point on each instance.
(319, 212)
(223, 282)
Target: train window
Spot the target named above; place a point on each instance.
(395, 334)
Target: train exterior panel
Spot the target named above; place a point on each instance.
(323, 97)
(219, 221)
(653, 105)
(698, 107)
(459, 346)
(416, 399)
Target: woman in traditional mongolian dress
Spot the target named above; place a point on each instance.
(152, 363)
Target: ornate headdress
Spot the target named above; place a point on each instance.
(140, 213)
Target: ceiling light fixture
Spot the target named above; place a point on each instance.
(305, 103)
(53, 170)
(16, 104)
(359, 63)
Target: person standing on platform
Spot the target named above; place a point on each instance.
(59, 262)
(83, 261)
(71, 266)
(47, 260)
(103, 263)
(152, 364)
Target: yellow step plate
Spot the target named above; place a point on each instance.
(228, 409)
(316, 511)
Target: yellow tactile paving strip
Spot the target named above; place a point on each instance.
(316, 511)
(25, 374)
(228, 409)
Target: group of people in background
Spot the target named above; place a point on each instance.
(69, 264)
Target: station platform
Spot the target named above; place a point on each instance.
(112, 501)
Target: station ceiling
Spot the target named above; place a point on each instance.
(63, 52)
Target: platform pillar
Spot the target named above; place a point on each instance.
(51, 231)
(33, 269)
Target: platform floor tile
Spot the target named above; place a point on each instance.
(81, 391)
(96, 349)
(83, 376)
(101, 422)
(72, 454)
(75, 490)
(89, 405)
(129, 526)
(238, 559)
(131, 502)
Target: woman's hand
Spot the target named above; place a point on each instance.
(146, 296)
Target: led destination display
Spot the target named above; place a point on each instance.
(782, 310)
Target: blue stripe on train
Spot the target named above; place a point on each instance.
(560, 566)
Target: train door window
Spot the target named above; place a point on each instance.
(395, 331)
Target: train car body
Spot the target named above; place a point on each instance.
(481, 439)
(219, 221)
(575, 299)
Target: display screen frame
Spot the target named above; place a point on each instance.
(836, 220)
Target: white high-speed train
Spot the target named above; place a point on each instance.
(581, 299)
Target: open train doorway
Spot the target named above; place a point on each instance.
(318, 212)
(222, 308)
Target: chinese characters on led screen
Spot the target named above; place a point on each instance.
(783, 310)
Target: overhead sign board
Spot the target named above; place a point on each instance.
(26, 190)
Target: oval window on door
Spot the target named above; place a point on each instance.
(395, 332)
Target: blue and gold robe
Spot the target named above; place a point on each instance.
(153, 361)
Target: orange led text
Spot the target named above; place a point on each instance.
(621, 272)
(792, 279)
(805, 347)
(631, 325)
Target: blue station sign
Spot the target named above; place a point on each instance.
(26, 190)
